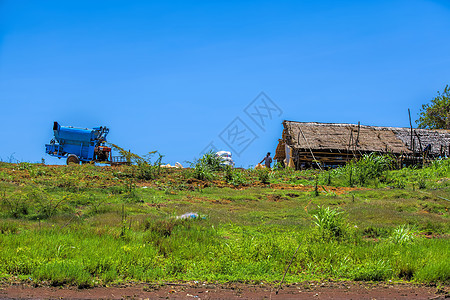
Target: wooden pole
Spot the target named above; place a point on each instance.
(421, 149)
(350, 140)
(357, 137)
(290, 263)
(410, 125)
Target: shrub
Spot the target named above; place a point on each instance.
(330, 223)
(421, 183)
(403, 234)
(278, 166)
(234, 177)
(372, 166)
(368, 167)
(147, 170)
(211, 161)
(206, 165)
(441, 166)
(202, 172)
(399, 184)
(15, 206)
(263, 176)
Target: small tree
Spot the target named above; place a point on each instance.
(436, 115)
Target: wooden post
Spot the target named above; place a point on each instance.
(410, 124)
(421, 149)
(357, 137)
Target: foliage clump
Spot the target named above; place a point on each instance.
(204, 167)
(330, 223)
(371, 167)
(264, 176)
(403, 234)
(436, 115)
(148, 170)
(234, 177)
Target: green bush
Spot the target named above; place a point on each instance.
(15, 205)
(368, 167)
(421, 182)
(202, 172)
(148, 171)
(330, 223)
(234, 177)
(204, 167)
(403, 234)
(263, 176)
(211, 161)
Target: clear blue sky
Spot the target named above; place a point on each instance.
(172, 75)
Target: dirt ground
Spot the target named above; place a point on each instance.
(309, 290)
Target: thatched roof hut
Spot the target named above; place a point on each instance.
(335, 143)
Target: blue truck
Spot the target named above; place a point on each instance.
(79, 144)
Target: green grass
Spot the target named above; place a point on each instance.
(200, 252)
(87, 225)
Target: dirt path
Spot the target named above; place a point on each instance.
(335, 290)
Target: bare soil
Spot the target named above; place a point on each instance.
(304, 290)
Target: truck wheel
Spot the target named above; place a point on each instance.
(73, 159)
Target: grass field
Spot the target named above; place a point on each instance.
(88, 225)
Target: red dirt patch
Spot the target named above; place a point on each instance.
(314, 290)
(307, 188)
(193, 199)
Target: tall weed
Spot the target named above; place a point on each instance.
(204, 167)
(403, 234)
(369, 167)
(330, 223)
(234, 177)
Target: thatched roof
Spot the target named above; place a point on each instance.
(433, 137)
(346, 137)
